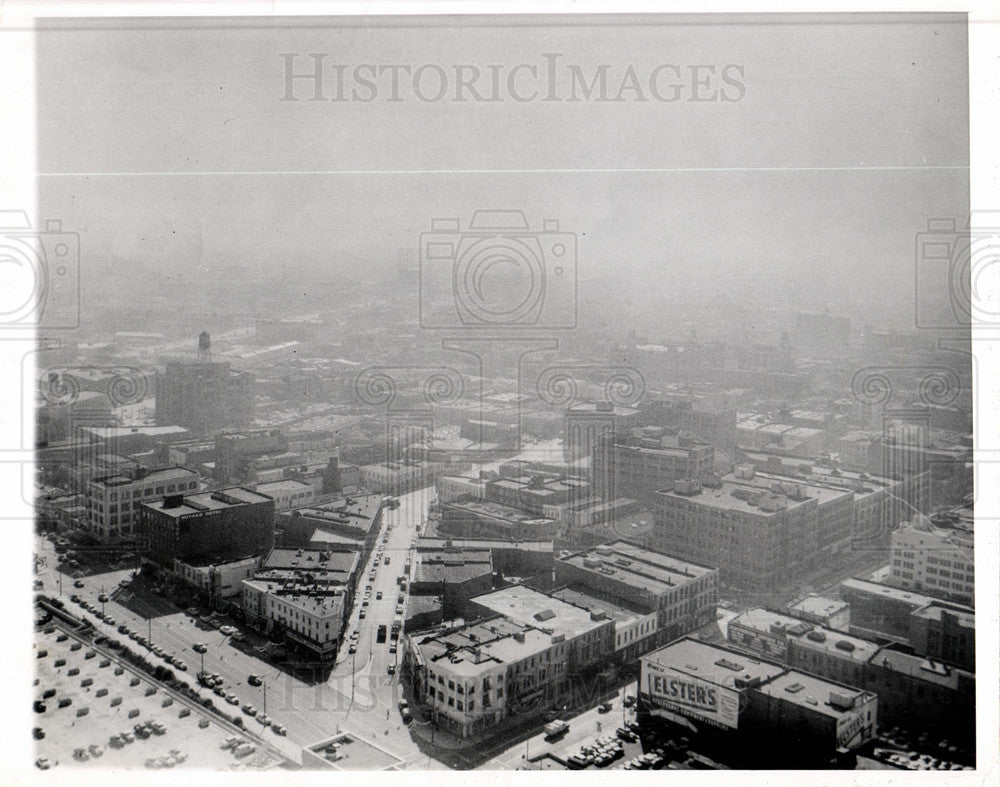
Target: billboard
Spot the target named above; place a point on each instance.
(695, 698)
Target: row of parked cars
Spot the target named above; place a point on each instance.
(602, 752)
(914, 761)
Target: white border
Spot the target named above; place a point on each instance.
(17, 187)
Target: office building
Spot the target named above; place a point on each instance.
(288, 493)
(936, 556)
(207, 527)
(585, 422)
(113, 501)
(204, 395)
(645, 460)
(668, 597)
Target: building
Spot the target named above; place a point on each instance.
(936, 556)
(453, 574)
(480, 519)
(452, 487)
(113, 501)
(585, 422)
(761, 538)
(288, 493)
(304, 596)
(217, 582)
(908, 686)
(830, 613)
(745, 705)
(802, 645)
(204, 395)
(939, 629)
(236, 452)
(207, 527)
(405, 475)
(470, 678)
(665, 596)
(352, 522)
(588, 635)
(643, 461)
(536, 491)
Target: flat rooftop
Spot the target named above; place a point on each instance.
(898, 594)
(820, 606)
(311, 560)
(497, 511)
(922, 667)
(937, 610)
(640, 567)
(111, 432)
(810, 691)
(358, 511)
(285, 485)
(426, 543)
(231, 497)
(813, 637)
(723, 499)
(716, 664)
(587, 599)
(533, 608)
(469, 649)
(154, 476)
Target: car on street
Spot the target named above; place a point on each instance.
(200, 647)
(604, 707)
(371, 577)
(254, 680)
(361, 614)
(249, 710)
(227, 630)
(78, 584)
(279, 729)
(239, 636)
(391, 669)
(232, 699)
(352, 649)
(399, 609)
(378, 596)
(387, 561)
(407, 716)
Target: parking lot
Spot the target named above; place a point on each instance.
(85, 698)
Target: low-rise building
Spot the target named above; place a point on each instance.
(472, 677)
(679, 595)
(288, 493)
(217, 582)
(474, 518)
(746, 704)
(831, 613)
(399, 477)
(304, 595)
(589, 635)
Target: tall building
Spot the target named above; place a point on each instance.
(204, 395)
(113, 501)
(585, 422)
(645, 460)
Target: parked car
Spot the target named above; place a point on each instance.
(78, 584)
(391, 669)
(378, 596)
(254, 680)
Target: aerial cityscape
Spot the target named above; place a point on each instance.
(411, 471)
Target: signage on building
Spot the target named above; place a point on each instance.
(852, 730)
(692, 697)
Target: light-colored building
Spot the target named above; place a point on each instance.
(218, 582)
(829, 612)
(288, 493)
(470, 678)
(113, 501)
(303, 594)
(935, 560)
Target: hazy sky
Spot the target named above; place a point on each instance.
(820, 96)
